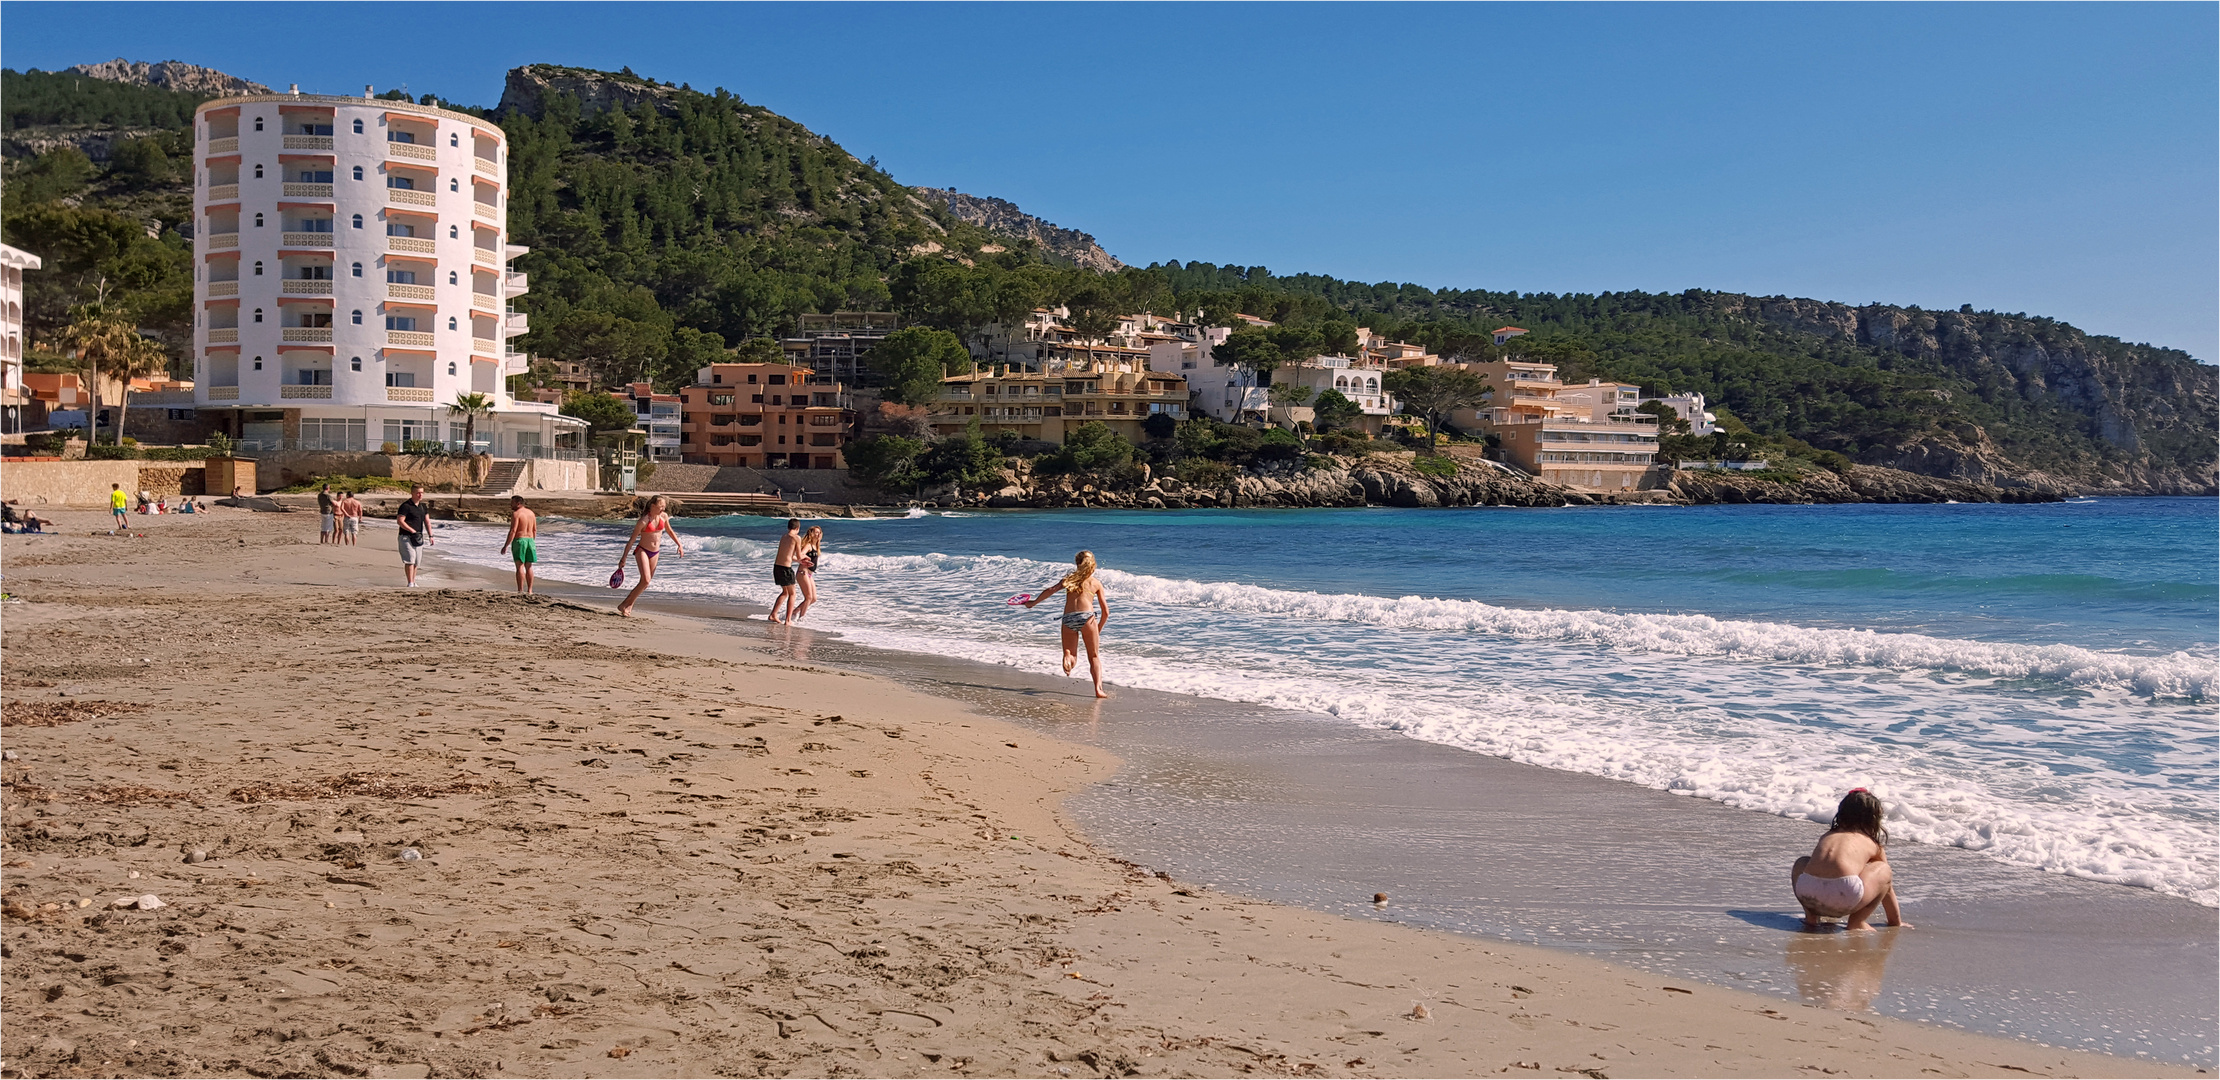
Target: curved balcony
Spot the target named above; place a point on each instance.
(308, 191)
(223, 335)
(486, 211)
(408, 393)
(223, 288)
(227, 145)
(484, 257)
(406, 151)
(516, 283)
(485, 301)
(306, 333)
(417, 339)
(486, 166)
(223, 393)
(395, 290)
(308, 142)
(411, 197)
(485, 346)
(295, 390)
(301, 287)
(222, 241)
(223, 193)
(305, 239)
(414, 245)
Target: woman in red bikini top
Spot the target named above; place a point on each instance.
(646, 543)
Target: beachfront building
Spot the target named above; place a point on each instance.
(17, 405)
(833, 346)
(1355, 378)
(659, 415)
(351, 277)
(1689, 407)
(1588, 438)
(1119, 391)
(1504, 334)
(764, 416)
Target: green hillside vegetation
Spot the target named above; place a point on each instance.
(665, 233)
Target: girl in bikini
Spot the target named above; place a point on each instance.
(647, 543)
(1082, 593)
(1848, 874)
(813, 550)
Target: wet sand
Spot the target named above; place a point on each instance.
(648, 849)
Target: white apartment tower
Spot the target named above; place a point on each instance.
(351, 275)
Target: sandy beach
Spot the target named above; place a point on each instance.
(647, 849)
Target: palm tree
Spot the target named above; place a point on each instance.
(103, 337)
(141, 356)
(471, 407)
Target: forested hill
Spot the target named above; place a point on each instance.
(668, 225)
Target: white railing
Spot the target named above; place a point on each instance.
(408, 393)
(411, 151)
(307, 142)
(308, 191)
(223, 393)
(482, 256)
(222, 240)
(490, 213)
(485, 346)
(515, 282)
(416, 245)
(488, 167)
(296, 390)
(223, 288)
(411, 197)
(515, 365)
(304, 287)
(395, 290)
(223, 193)
(227, 145)
(223, 334)
(515, 323)
(305, 333)
(306, 239)
(416, 338)
(485, 302)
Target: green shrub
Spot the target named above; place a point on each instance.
(1317, 462)
(348, 485)
(1277, 444)
(111, 452)
(885, 461)
(1093, 450)
(1203, 472)
(1430, 465)
(961, 459)
(176, 453)
(1345, 442)
(1159, 426)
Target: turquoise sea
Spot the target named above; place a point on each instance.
(2035, 683)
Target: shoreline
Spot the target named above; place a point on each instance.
(871, 880)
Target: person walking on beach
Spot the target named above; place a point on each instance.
(783, 573)
(350, 519)
(805, 569)
(119, 505)
(1082, 594)
(647, 543)
(524, 529)
(1847, 875)
(414, 517)
(327, 508)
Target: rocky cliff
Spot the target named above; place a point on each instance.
(170, 75)
(528, 88)
(1003, 218)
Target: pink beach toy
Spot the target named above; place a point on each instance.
(1018, 599)
(616, 580)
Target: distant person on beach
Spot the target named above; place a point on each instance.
(805, 569)
(1848, 874)
(350, 519)
(327, 508)
(1082, 594)
(414, 517)
(524, 530)
(119, 505)
(647, 543)
(783, 573)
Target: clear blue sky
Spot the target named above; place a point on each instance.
(2057, 159)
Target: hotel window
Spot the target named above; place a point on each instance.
(358, 172)
(454, 233)
(258, 171)
(258, 268)
(258, 360)
(258, 123)
(358, 269)
(400, 277)
(450, 326)
(400, 322)
(454, 184)
(358, 221)
(401, 182)
(355, 363)
(452, 279)
(450, 363)
(454, 140)
(358, 131)
(258, 314)
(358, 322)
(258, 221)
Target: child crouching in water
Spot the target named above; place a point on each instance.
(1848, 874)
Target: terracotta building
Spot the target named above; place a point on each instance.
(764, 416)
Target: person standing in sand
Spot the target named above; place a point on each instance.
(414, 519)
(350, 518)
(327, 510)
(119, 504)
(1847, 875)
(805, 568)
(524, 531)
(1082, 594)
(783, 573)
(647, 543)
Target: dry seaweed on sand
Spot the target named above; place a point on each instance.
(361, 784)
(57, 713)
(104, 794)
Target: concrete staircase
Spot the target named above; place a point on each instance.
(502, 477)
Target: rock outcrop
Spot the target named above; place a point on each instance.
(1002, 218)
(170, 75)
(529, 87)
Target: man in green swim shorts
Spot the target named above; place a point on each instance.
(524, 529)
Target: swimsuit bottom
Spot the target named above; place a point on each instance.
(1074, 620)
(353, 524)
(782, 576)
(1839, 895)
(524, 551)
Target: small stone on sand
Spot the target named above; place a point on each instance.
(1418, 1012)
(411, 855)
(1379, 898)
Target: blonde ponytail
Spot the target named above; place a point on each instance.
(1085, 572)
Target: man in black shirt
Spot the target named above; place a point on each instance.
(326, 506)
(414, 519)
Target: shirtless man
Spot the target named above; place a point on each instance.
(782, 569)
(524, 531)
(350, 518)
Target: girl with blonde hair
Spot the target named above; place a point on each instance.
(1082, 595)
(813, 551)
